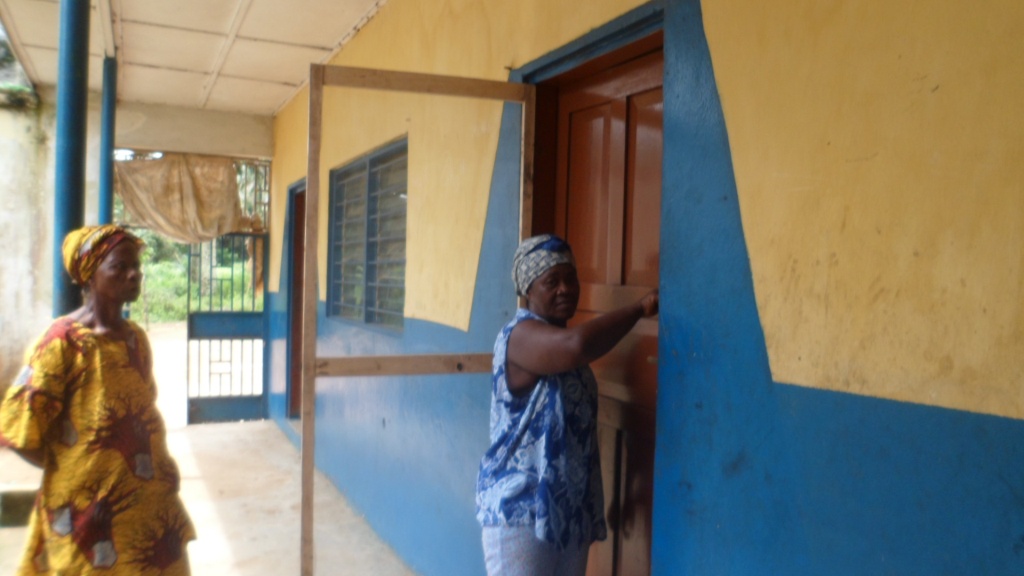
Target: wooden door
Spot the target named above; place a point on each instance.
(295, 280)
(607, 196)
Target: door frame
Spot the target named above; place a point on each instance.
(611, 37)
(323, 76)
(638, 31)
(292, 217)
(576, 57)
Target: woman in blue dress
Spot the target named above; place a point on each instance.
(539, 496)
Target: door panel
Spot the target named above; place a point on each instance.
(643, 189)
(594, 185)
(607, 204)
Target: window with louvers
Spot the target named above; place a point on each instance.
(366, 279)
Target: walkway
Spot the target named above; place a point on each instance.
(241, 484)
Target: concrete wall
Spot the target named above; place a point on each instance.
(26, 225)
(448, 137)
(877, 150)
(841, 277)
(818, 162)
(462, 229)
(174, 129)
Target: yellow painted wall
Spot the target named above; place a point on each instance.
(452, 142)
(879, 155)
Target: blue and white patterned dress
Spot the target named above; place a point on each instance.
(543, 467)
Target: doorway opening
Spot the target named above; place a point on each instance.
(598, 185)
(295, 237)
(202, 302)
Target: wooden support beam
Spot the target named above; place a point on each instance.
(320, 76)
(310, 285)
(406, 364)
(425, 83)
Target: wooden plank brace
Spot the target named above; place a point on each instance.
(319, 76)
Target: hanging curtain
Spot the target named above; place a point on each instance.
(185, 197)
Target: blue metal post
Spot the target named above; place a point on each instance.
(72, 94)
(106, 213)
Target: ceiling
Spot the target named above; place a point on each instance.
(248, 56)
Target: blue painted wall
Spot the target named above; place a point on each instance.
(752, 476)
(758, 477)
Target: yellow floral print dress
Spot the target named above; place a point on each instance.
(86, 405)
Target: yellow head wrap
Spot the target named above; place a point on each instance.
(84, 249)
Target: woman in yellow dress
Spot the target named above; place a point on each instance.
(84, 410)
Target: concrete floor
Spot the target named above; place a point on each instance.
(241, 485)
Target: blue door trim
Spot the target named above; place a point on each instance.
(628, 28)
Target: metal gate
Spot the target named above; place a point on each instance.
(225, 311)
(225, 329)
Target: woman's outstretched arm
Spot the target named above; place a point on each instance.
(537, 349)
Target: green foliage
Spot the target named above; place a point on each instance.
(165, 286)
(160, 249)
(164, 293)
(15, 89)
(229, 289)
(221, 274)
(6, 54)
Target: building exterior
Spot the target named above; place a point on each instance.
(839, 248)
(26, 175)
(27, 168)
(841, 230)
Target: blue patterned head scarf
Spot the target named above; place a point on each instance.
(537, 255)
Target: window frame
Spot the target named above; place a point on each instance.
(367, 166)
